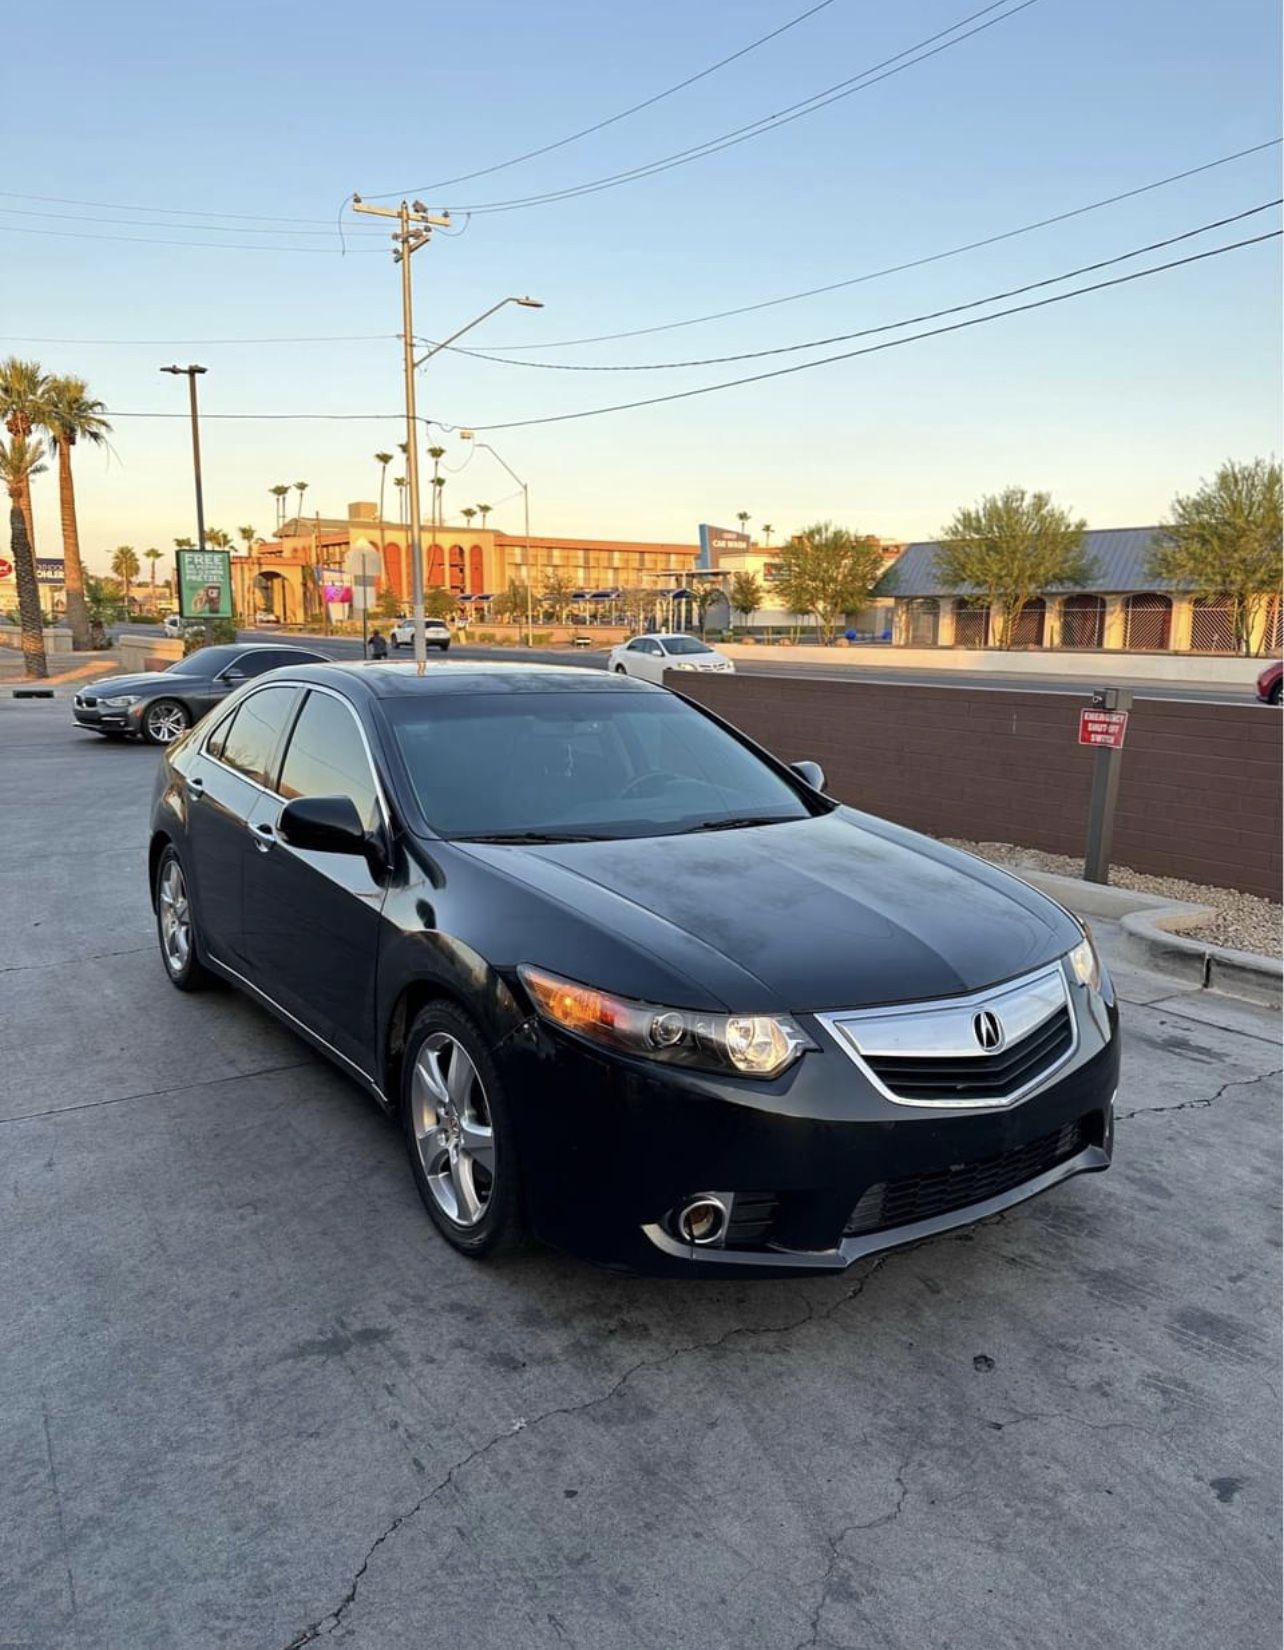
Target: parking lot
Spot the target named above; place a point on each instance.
(252, 1400)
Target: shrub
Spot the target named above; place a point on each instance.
(210, 634)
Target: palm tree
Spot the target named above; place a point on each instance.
(248, 536)
(483, 510)
(217, 539)
(300, 488)
(280, 493)
(767, 531)
(184, 544)
(22, 391)
(19, 461)
(69, 414)
(468, 512)
(383, 460)
(153, 556)
(124, 564)
(399, 482)
(742, 516)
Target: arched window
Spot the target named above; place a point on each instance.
(1148, 623)
(1028, 629)
(924, 622)
(1083, 621)
(972, 624)
(1212, 625)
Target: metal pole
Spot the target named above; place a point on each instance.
(1105, 792)
(530, 572)
(412, 444)
(196, 456)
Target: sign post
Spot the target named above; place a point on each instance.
(362, 564)
(1104, 726)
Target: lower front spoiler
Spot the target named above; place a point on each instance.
(1089, 1161)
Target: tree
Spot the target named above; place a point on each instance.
(22, 392)
(68, 413)
(439, 603)
(300, 488)
(1225, 540)
(21, 459)
(248, 536)
(828, 571)
(703, 593)
(468, 512)
(1012, 546)
(742, 516)
(483, 510)
(767, 531)
(511, 603)
(280, 493)
(383, 460)
(557, 592)
(387, 604)
(399, 482)
(153, 556)
(217, 539)
(124, 564)
(746, 593)
(184, 544)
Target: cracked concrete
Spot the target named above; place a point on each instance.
(251, 1401)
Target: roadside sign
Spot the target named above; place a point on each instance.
(6, 568)
(204, 584)
(1103, 727)
(362, 564)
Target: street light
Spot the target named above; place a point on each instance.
(485, 446)
(523, 303)
(190, 373)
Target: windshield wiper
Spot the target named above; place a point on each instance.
(530, 837)
(741, 823)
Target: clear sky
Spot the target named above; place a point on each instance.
(1112, 401)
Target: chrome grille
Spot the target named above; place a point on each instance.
(988, 1049)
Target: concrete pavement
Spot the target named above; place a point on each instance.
(250, 1399)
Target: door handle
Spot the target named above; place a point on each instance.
(195, 788)
(264, 837)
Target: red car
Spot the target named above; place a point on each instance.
(1268, 684)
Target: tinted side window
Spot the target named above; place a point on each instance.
(326, 757)
(252, 737)
(214, 744)
(266, 658)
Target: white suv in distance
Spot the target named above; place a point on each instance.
(436, 634)
(650, 656)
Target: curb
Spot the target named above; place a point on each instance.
(1152, 936)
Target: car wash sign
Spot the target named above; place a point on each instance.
(716, 542)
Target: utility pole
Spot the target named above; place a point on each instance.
(191, 373)
(415, 225)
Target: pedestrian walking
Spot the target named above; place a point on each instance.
(377, 645)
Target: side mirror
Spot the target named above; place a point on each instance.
(231, 676)
(811, 773)
(324, 824)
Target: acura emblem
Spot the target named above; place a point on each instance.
(987, 1030)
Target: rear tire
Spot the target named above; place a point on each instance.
(459, 1134)
(620, 670)
(1277, 691)
(176, 925)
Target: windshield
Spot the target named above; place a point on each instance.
(206, 661)
(684, 644)
(581, 764)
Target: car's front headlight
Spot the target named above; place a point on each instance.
(1085, 964)
(123, 700)
(749, 1045)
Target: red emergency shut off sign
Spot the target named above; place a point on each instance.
(1103, 727)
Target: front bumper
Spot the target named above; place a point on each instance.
(101, 719)
(818, 1169)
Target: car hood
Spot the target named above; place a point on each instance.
(838, 911)
(107, 687)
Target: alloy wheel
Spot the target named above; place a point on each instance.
(165, 722)
(175, 917)
(452, 1129)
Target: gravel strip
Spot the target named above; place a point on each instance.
(1243, 921)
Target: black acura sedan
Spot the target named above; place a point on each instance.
(625, 979)
(160, 705)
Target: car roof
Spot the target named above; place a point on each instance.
(388, 680)
(667, 636)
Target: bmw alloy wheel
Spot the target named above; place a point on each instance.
(452, 1129)
(165, 721)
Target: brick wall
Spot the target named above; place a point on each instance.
(1199, 796)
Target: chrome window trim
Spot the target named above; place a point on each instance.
(834, 1020)
(231, 711)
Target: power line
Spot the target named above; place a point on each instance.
(874, 349)
(887, 326)
(164, 211)
(895, 269)
(199, 228)
(818, 100)
(165, 343)
(731, 383)
(156, 240)
(612, 120)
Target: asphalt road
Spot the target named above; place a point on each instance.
(250, 1400)
(344, 647)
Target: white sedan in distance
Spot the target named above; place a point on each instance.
(650, 656)
(436, 634)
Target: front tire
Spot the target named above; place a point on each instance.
(1276, 692)
(620, 670)
(164, 721)
(176, 925)
(459, 1135)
